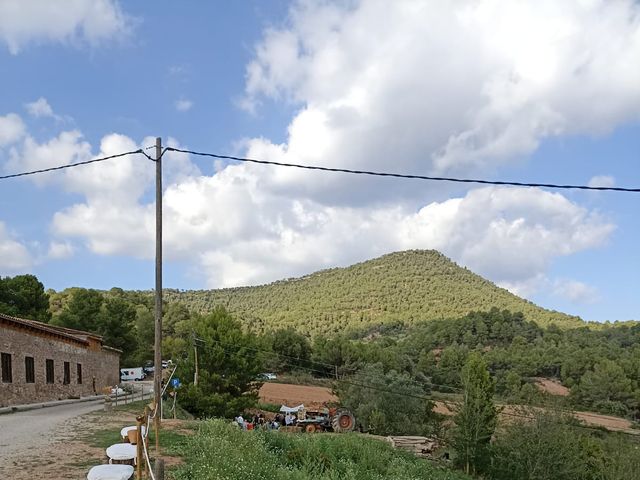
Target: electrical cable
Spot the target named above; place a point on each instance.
(425, 398)
(70, 165)
(326, 374)
(405, 176)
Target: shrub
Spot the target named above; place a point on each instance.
(222, 451)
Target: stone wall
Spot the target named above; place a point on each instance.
(97, 362)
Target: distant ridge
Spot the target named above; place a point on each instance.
(409, 286)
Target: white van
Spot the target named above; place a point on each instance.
(132, 374)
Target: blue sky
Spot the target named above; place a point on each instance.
(519, 93)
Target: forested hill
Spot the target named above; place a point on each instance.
(409, 286)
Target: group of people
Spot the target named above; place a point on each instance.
(288, 420)
(259, 421)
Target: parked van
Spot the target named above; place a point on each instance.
(132, 374)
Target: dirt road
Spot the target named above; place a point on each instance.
(23, 432)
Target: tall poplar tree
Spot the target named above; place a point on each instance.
(477, 416)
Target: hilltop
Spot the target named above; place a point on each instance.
(409, 287)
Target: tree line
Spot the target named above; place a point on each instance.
(389, 374)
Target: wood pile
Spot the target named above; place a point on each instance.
(290, 429)
(420, 446)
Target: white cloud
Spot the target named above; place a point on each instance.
(238, 226)
(67, 147)
(14, 256)
(576, 292)
(41, 21)
(12, 129)
(511, 235)
(435, 87)
(114, 219)
(417, 87)
(238, 232)
(183, 105)
(40, 108)
(60, 250)
(602, 181)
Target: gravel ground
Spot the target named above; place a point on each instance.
(24, 432)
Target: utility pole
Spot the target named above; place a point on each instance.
(195, 354)
(157, 376)
(195, 358)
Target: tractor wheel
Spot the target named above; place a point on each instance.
(343, 421)
(310, 428)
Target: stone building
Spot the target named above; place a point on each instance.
(41, 362)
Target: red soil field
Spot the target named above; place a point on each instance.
(312, 396)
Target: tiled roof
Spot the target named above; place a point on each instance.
(67, 333)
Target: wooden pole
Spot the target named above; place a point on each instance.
(158, 469)
(195, 353)
(157, 375)
(139, 448)
(175, 399)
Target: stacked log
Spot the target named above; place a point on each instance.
(419, 446)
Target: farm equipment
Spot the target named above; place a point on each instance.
(328, 419)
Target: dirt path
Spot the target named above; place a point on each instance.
(24, 432)
(61, 451)
(588, 418)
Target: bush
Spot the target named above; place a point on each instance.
(386, 403)
(550, 446)
(543, 448)
(210, 404)
(222, 451)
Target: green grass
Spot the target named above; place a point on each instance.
(268, 407)
(170, 440)
(221, 451)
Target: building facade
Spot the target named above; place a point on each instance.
(41, 362)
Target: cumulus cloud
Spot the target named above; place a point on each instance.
(416, 87)
(510, 235)
(14, 256)
(40, 108)
(239, 232)
(435, 87)
(114, 219)
(12, 129)
(237, 228)
(67, 147)
(576, 292)
(183, 105)
(40, 21)
(602, 181)
(60, 250)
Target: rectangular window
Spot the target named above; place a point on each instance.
(7, 375)
(79, 371)
(49, 370)
(66, 379)
(29, 370)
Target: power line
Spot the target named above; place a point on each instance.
(326, 374)
(70, 165)
(229, 349)
(405, 176)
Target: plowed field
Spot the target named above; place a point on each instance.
(291, 395)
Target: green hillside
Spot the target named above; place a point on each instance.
(409, 286)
